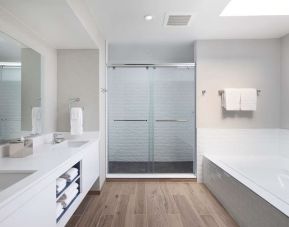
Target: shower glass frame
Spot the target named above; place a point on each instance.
(151, 127)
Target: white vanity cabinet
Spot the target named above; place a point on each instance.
(90, 167)
(38, 211)
(36, 206)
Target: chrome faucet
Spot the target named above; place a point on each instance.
(58, 138)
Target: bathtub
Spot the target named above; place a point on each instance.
(254, 189)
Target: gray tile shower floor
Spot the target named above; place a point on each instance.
(147, 167)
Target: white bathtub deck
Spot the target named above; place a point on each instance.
(267, 176)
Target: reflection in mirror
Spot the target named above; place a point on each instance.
(20, 90)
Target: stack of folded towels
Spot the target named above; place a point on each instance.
(70, 175)
(60, 184)
(68, 195)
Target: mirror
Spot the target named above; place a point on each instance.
(20, 90)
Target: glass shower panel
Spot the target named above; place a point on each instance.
(128, 115)
(174, 120)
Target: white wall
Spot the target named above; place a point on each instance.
(284, 116)
(84, 14)
(78, 76)
(16, 29)
(151, 53)
(238, 63)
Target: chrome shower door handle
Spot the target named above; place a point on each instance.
(172, 120)
(132, 120)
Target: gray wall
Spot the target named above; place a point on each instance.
(151, 53)
(78, 77)
(30, 85)
(238, 63)
(284, 115)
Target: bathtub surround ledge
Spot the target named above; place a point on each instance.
(248, 208)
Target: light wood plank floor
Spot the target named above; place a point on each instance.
(151, 204)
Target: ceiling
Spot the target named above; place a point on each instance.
(52, 20)
(122, 21)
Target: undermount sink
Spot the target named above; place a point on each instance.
(8, 178)
(72, 144)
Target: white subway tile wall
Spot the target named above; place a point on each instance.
(241, 142)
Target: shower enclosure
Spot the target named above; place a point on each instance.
(151, 119)
(10, 100)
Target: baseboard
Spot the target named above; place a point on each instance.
(94, 192)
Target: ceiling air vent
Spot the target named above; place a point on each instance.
(177, 20)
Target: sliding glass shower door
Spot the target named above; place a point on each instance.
(174, 120)
(151, 120)
(128, 126)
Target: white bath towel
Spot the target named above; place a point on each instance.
(69, 191)
(231, 99)
(249, 99)
(67, 197)
(60, 184)
(70, 174)
(36, 120)
(59, 209)
(76, 121)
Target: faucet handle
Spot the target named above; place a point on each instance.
(58, 138)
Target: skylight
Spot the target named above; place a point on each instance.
(256, 8)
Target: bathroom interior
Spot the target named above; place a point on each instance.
(144, 113)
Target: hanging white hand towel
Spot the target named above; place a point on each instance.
(76, 121)
(36, 120)
(231, 99)
(249, 99)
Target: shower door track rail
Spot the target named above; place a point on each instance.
(174, 65)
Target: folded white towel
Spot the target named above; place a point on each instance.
(231, 99)
(59, 209)
(60, 184)
(69, 191)
(70, 174)
(249, 99)
(59, 206)
(67, 197)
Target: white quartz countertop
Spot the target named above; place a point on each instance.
(267, 176)
(48, 161)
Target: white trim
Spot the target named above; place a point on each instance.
(106, 111)
(154, 175)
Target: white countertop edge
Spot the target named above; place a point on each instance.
(269, 197)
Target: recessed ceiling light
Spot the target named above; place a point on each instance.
(256, 8)
(148, 17)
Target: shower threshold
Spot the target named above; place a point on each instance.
(116, 167)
